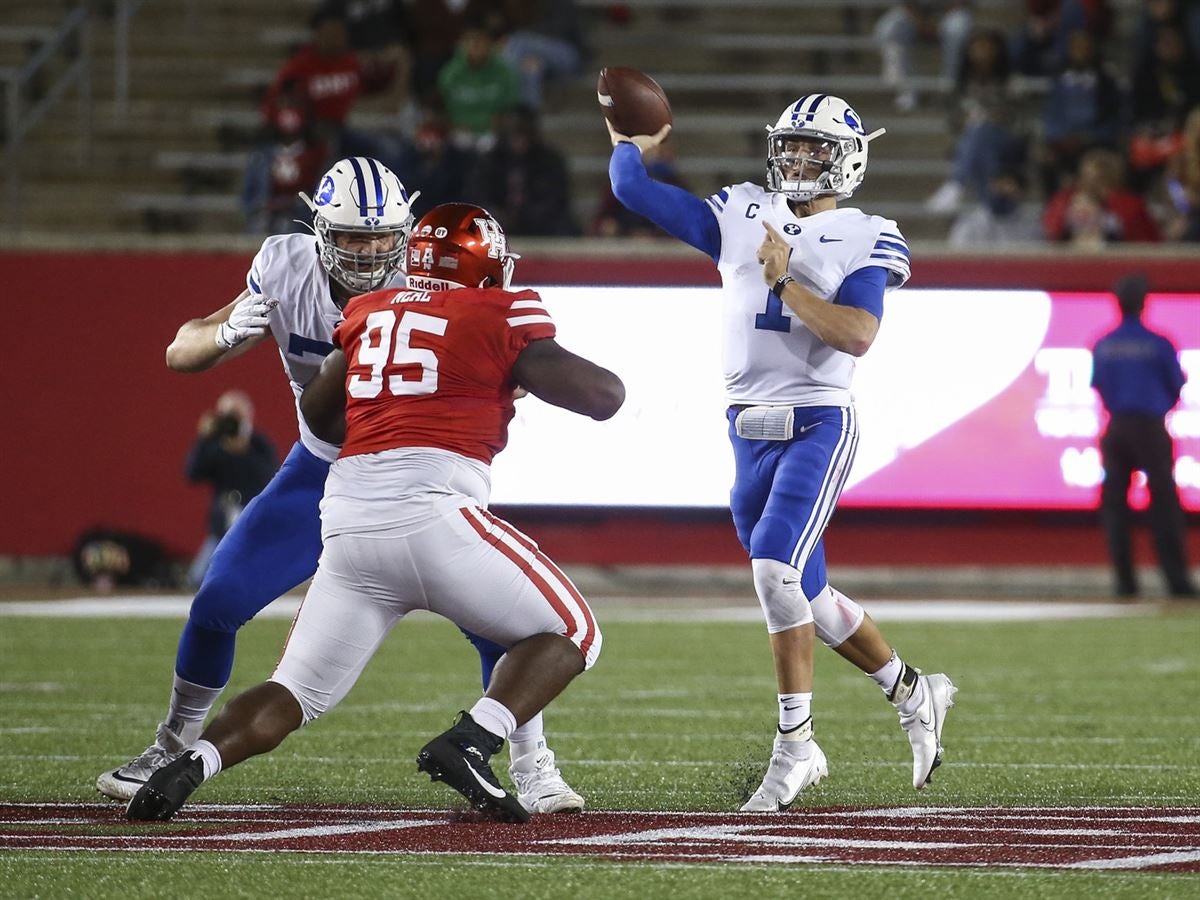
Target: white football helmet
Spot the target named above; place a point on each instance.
(817, 148)
(362, 196)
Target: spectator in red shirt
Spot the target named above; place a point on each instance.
(1096, 210)
(330, 76)
(327, 70)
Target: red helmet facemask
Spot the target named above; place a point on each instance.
(458, 245)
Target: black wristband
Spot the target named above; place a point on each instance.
(780, 283)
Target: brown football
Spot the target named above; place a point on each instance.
(632, 101)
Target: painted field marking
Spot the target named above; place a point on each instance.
(1139, 862)
(1027, 837)
(631, 609)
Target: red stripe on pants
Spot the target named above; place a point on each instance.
(523, 564)
(589, 635)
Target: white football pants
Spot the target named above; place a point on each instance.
(467, 565)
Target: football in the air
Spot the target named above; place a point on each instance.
(632, 101)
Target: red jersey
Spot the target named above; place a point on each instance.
(434, 369)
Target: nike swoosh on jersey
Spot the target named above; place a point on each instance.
(826, 239)
(496, 792)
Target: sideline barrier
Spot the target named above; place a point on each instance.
(97, 428)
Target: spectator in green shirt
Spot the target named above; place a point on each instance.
(477, 84)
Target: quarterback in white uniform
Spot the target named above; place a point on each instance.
(804, 285)
(295, 291)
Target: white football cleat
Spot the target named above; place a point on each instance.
(924, 726)
(125, 781)
(787, 775)
(541, 787)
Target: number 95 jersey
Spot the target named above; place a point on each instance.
(434, 369)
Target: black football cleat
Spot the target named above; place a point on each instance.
(167, 790)
(459, 758)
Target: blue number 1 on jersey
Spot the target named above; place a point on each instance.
(774, 319)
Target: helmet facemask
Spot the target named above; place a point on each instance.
(508, 266)
(356, 270)
(805, 164)
(817, 148)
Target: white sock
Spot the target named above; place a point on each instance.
(887, 676)
(189, 707)
(494, 716)
(901, 684)
(209, 755)
(794, 711)
(909, 696)
(527, 739)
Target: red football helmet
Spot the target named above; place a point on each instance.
(458, 245)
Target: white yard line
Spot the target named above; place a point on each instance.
(1138, 862)
(633, 609)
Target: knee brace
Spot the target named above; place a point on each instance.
(783, 602)
(836, 616)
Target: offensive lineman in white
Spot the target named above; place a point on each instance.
(788, 355)
(295, 291)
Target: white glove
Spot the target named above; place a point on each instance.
(248, 319)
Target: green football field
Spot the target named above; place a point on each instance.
(677, 717)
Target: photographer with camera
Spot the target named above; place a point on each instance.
(237, 460)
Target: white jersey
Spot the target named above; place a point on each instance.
(287, 269)
(770, 357)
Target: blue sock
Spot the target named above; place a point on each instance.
(205, 656)
(489, 655)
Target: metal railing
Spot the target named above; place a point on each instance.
(122, 18)
(22, 113)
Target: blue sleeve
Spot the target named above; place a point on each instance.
(672, 209)
(864, 289)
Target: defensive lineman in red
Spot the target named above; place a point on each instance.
(419, 392)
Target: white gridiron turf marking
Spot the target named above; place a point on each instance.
(160, 606)
(368, 827)
(1138, 862)
(681, 843)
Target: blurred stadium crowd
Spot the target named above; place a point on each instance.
(1072, 121)
(1068, 127)
(466, 78)
(1109, 140)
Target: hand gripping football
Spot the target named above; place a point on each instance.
(632, 101)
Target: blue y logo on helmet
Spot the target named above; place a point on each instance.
(850, 117)
(325, 191)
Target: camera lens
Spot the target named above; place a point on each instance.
(227, 425)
